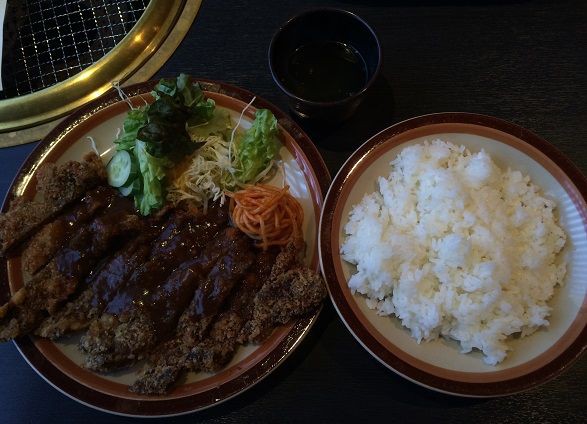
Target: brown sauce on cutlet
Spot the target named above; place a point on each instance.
(119, 268)
(184, 243)
(106, 281)
(98, 198)
(75, 215)
(108, 221)
(229, 269)
(149, 279)
(78, 258)
(190, 228)
(253, 281)
(73, 261)
(164, 243)
(154, 286)
(167, 304)
(144, 281)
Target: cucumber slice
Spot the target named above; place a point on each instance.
(133, 187)
(125, 190)
(119, 168)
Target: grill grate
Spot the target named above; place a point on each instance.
(48, 41)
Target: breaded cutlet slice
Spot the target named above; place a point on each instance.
(276, 291)
(171, 359)
(79, 312)
(219, 347)
(147, 308)
(57, 186)
(292, 294)
(45, 243)
(59, 279)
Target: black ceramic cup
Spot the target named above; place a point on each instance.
(324, 25)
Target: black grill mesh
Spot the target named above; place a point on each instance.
(48, 41)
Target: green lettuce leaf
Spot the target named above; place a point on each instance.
(258, 146)
(189, 99)
(202, 112)
(153, 173)
(134, 121)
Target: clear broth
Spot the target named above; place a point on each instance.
(325, 71)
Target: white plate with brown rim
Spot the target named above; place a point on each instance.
(59, 363)
(438, 364)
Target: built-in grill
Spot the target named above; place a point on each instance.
(48, 41)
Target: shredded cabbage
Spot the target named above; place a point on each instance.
(222, 165)
(209, 174)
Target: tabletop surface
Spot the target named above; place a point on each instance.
(522, 61)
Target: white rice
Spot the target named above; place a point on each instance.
(455, 247)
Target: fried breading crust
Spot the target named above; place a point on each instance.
(106, 343)
(291, 291)
(43, 245)
(291, 294)
(58, 280)
(57, 186)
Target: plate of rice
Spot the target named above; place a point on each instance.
(454, 247)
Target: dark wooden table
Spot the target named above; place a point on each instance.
(523, 61)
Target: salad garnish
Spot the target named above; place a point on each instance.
(182, 147)
(155, 138)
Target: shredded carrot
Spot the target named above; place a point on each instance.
(268, 214)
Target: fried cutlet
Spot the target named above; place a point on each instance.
(278, 290)
(57, 186)
(232, 269)
(100, 288)
(210, 296)
(142, 313)
(114, 274)
(295, 293)
(293, 290)
(216, 350)
(51, 286)
(55, 234)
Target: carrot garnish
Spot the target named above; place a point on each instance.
(268, 214)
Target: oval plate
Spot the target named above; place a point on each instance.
(439, 365)
(59, 363)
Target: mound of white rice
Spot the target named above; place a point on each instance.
(453, 246)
